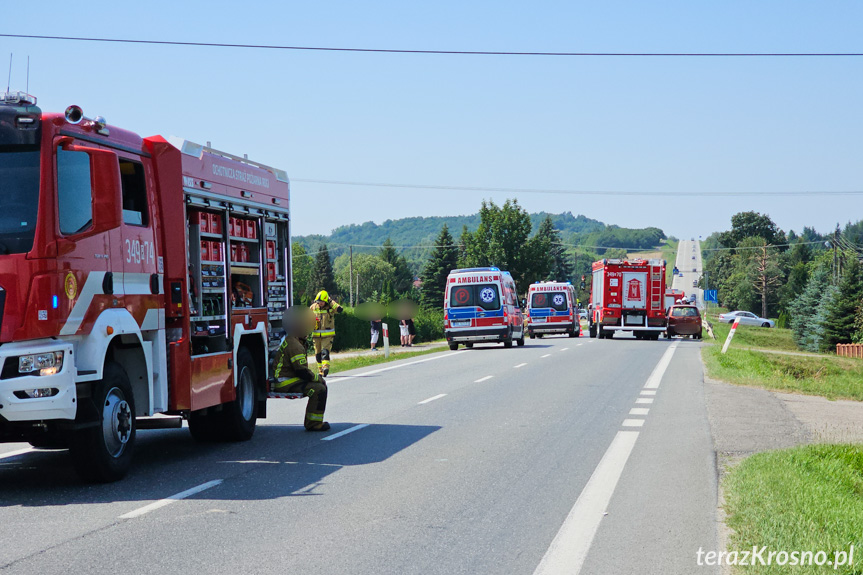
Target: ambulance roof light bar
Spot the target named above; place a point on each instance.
(20, 98)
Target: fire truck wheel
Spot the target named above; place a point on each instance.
(453, 346)
(104, 452)
(532, 336)
(469, 345)
(507, 343)
(592, 330)
(240, 416)
(520, 341)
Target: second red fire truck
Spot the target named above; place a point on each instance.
(628, 295)
(137, 277)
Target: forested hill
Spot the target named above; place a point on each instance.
(423, 230)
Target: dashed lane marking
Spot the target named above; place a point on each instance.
(482, 379)
(344, 432)
(172, 499)
(438, 396)
(519, 365)
(633, 422)
(16, 453)
(546, 355)
(648, 392)
(644, 400)
(639, 411)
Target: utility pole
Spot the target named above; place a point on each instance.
(350, 277)
(835, 256)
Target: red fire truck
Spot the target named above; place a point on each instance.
(137, 277)
(627, 295)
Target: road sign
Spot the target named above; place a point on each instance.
(710, 295)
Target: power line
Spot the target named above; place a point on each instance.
(445, 52)
(683, 195)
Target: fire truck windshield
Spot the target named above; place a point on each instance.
(19, 190)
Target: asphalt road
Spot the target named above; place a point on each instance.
(475, 462)
(689, 259)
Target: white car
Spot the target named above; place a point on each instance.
(746, 318)
(582, 314)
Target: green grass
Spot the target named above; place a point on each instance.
(348, 363)
(807, 498)
(758, 337)
(825, 375)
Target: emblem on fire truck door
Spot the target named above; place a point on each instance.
(634, 288)
(71, 285)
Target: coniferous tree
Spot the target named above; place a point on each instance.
(322, 277)
(444, 258)
(404, 277)
(805, 306)
(838, 324)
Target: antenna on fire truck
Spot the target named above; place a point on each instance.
(9, 80)
(27, 89)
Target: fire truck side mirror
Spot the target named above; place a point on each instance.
(105, 182)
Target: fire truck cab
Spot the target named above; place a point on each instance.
(137, 277)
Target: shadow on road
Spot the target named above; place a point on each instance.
(281, 460)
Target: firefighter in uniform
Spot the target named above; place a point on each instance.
(292, 371)
(325, 311)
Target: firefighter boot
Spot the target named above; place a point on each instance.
(325, 355)
(319, 359)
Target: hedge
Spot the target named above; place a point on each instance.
(353, 332)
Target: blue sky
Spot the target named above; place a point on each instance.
(637, 124)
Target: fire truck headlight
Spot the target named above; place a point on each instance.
(47, 363)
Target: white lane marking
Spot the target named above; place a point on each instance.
(644, 400)
(639, 411)
(168, 500)
(482, 379)
(568, 550)
(16, 453)
(578, 344)
(519, 365)
(438, 396)
(344, 432)
(564, 349)
(546, 355)
(648, 392)
(633, 422)
(659, 370)
(435, 357)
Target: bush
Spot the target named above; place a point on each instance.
(353, 332)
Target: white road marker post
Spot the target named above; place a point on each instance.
(730, 335)
(386, 329)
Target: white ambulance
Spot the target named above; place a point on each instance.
(552, 309)
(481, 306)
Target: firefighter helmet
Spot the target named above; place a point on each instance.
(322, 296)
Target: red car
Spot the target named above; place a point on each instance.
(683, 320)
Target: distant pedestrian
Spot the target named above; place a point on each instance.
(377, 327)
(404, 332)
(412, 331)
